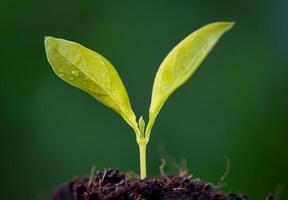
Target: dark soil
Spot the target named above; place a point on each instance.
(114, 185)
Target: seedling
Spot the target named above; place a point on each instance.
(91, 72)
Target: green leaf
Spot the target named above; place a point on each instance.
(141, 125)
(181, 63)
(91, 72)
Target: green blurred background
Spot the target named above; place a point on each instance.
(236, 104)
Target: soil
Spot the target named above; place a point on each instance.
(112, 184)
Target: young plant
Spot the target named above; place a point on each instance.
(91, 72)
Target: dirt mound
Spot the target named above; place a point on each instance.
(114, 185)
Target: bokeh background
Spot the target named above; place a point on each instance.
(236, 104)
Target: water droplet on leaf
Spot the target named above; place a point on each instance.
(75, 73)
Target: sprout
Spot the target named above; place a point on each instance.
(91, 72)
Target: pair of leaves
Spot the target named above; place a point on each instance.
(95, 75)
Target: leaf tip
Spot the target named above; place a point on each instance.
(228, 25)
(222, 25)
(48, 43)
(141, 121)
(47, 39)
(141, 124)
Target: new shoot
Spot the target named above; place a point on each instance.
(92, 73)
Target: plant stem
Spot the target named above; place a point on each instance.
(142, 150)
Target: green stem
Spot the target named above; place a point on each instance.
(142, 150)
